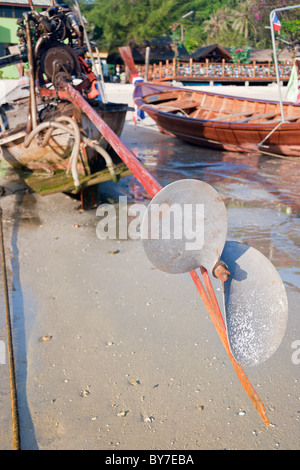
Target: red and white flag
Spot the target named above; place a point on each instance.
(276, 22)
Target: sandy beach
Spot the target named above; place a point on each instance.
(114, 355)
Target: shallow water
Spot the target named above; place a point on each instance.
(262, 194)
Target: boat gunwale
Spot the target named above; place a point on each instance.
(139, 101)
(202, 92)
(158, 88)
(219, 123)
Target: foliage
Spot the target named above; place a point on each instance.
(240, 54)
(115, 23)
(290, 29)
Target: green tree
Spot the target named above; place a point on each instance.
(243, 21)
(121, 22)
(217, 23)
(115, 23)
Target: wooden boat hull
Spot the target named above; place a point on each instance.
(55, 154)
(213, 128)
(46, 166)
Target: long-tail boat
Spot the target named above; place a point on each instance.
(215, 120)
(256, 309)
(42, 133)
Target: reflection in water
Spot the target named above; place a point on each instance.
(262, 194)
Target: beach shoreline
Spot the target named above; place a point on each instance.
(115, 355)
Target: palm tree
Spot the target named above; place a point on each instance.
(243, 18)
(217, 23)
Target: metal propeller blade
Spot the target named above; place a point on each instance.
(208, 251)
(184, 227)
(256, 306)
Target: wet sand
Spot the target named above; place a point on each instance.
(132, 360)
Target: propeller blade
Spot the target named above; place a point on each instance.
(256, 306)
(184, 227)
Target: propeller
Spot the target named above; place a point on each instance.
(255, 300)
(255, 304)
(202, 215)
(185, 227)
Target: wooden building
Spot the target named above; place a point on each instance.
(161, 50)
(10, 12)
(214, 53)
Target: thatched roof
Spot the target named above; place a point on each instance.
(285, 55)
(266, 55)
(214, 52)
(161, 50)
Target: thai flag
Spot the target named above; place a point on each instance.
(276, 23)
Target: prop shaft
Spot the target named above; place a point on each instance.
(134, 165)
(217, 319)
(153, 187)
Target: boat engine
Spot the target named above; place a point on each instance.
(54, 60)
(58, 62)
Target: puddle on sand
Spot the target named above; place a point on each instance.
(23, 216)
(262, 194)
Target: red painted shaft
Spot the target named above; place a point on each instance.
(153, 187)
(135, 166)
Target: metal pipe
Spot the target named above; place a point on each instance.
(276, 63)
(89, 49)
(272, 14)
(33, 107)
(31, 5)
(101, 75)
(147, 58)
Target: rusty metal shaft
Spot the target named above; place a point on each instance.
(153, 187)
(134, 165)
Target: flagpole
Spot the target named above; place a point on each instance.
(272, 15)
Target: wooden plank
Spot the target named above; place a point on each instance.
(229, 116)
(203, 108)
(291, 118)
(167, 95)
(12, 137)
(176, 105)
(258, 116)
(287, 118)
